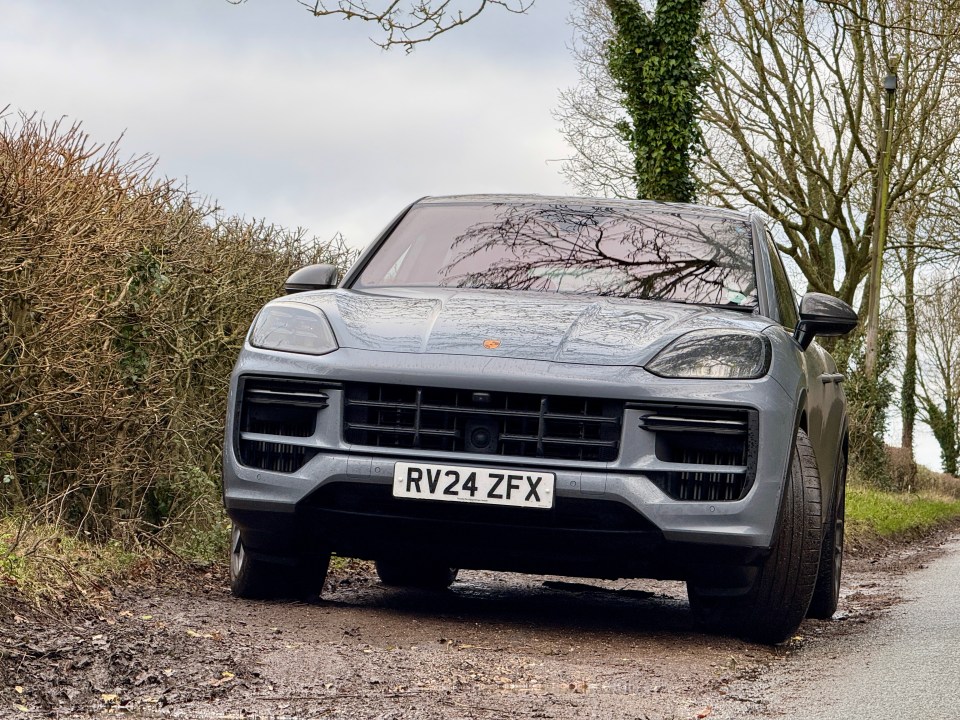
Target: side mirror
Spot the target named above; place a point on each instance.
(312, 277)
(824, 315)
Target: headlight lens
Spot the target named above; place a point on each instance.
(714, 354)
(293, 327)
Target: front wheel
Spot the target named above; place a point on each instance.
(252, 577)
(774, 605)
(826, 594)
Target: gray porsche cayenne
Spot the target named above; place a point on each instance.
(571, 386)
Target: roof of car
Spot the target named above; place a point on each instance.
(526, 199)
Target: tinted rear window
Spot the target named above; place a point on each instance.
(598, 250)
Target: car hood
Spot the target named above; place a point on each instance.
(563, 328)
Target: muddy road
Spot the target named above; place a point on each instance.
(494, 646)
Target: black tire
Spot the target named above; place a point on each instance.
(402, 573)
(826, 594)
(777, 600)
(256, 579)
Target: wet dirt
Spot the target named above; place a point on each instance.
(493, 646)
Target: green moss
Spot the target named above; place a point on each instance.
(890, 515)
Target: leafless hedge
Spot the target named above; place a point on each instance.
(123, 304)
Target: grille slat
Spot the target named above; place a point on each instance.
(666, 423)
(404, 431)
(448, 420)
(262, 396)
(482, 411)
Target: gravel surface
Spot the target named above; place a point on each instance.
(495, 645)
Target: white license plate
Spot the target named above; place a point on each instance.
(520, 488)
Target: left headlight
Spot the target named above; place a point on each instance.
(293, 327)
(714, 354)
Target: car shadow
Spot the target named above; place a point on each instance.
(530, 602)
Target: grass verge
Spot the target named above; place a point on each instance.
(874, 514)
(49, 570)
(44, 568)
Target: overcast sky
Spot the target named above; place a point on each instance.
(300, 120)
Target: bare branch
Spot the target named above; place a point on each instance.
(408, 23)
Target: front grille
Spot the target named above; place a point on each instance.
(496, 423)
(281, 408)
(567, 513)
(722, 438)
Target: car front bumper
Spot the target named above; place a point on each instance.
(609, 520)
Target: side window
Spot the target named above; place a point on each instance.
(785, 303)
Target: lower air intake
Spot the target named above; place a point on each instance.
(714, 449)
(272, 409)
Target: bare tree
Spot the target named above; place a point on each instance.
(939, 333)
(925, 233)
(791, 117)
(794, 110)
(590, 113)
(408, 23)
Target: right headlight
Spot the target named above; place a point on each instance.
(714, 354)
(293, 327)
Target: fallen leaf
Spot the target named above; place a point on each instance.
(109, 697)
(146, 617)
(706, 712)
(22, 708)
(18, 689)
(227, 675)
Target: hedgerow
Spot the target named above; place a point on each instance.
(123, 304)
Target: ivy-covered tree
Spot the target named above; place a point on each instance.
(653, 60)
(938, 320)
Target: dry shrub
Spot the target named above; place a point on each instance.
(123, 305)
(907, 476)
(902, 470)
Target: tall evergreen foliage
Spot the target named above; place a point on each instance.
(653, 61)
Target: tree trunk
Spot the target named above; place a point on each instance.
(908, 393)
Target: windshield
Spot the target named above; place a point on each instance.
(615, 250)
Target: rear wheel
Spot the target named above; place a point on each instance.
(403, 573)
(776, 601)
(252, 577)
(826, 594)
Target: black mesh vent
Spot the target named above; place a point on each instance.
(721, 438)
(282, 408)
(567, 513)
(496, 423)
